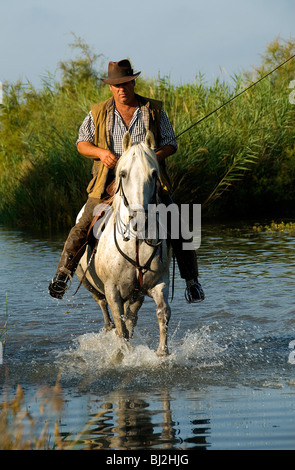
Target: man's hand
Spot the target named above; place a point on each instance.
(91, 151)
(108, 158)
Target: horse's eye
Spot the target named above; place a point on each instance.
(154, 173)
(123, 174)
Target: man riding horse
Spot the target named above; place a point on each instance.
(100, 139)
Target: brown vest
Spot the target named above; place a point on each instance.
(103, 117)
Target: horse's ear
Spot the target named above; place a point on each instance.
(126, 141)
(150, 140)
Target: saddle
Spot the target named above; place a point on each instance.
(92, 238)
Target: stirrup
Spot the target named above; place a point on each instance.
(59, 285)
(194, 293)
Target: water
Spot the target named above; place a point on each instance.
(229, 382)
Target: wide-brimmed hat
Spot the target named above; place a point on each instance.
(120, 72)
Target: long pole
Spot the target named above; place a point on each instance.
(231, 99)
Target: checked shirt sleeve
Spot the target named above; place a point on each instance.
(167, 132)
(87, 130)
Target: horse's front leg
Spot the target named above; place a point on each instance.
(108, 324)
(131, 311)
(116, 305)
(160, 296)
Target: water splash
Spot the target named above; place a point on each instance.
(104, 352)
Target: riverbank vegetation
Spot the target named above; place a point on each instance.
(22, 428)
(238, 162)
(276, 227)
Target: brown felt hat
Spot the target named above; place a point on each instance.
(120, 72)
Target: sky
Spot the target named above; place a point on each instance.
(217, 38)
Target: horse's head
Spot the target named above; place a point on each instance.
(137, 183)
(137, 173)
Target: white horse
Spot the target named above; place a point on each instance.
(127, 265)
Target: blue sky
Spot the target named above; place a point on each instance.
(166, 37)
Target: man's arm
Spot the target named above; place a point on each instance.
(85, 144)
(167, 144)
(165, 152)
(89, 150)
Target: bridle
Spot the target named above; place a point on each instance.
(123, 195)
(142, 269)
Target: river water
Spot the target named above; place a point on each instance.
(229, 382)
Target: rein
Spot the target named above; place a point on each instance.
(142, 269)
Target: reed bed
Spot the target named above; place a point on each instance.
(276, 227)
(41, 429)
(239, 161)
(21, 430)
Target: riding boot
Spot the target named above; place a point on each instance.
(64, 274)
(73, 251)
(188, 268)
(186, 260)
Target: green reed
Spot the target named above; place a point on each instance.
(239, 158)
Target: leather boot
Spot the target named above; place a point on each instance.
(73, 251)
(188, 268)
(186, 260)
(64, 275)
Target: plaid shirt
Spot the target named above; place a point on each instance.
(137, 130)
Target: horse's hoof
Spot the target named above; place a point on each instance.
(117, 357)
(162, 352)
(109, 327)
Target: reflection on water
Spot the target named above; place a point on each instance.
(227, 383)
(126, 421)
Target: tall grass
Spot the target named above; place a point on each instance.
(239, 158)
(247, 147)
(20, 429)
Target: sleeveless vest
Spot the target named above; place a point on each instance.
(103, 117)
